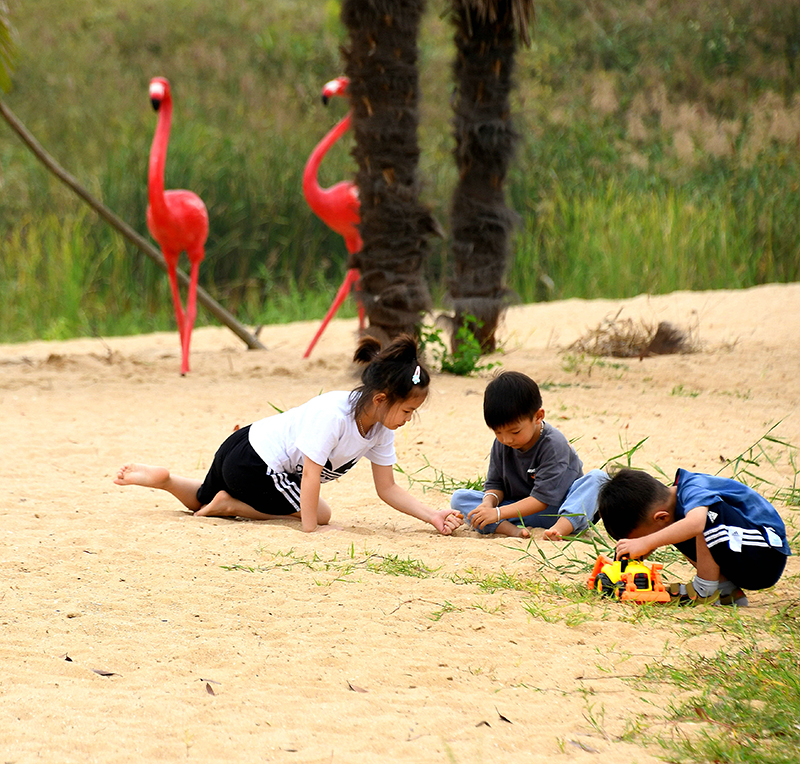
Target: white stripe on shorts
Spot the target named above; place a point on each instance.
(289, 489)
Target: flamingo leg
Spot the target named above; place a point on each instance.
(172, 266)
(191, 313)
(349, 279)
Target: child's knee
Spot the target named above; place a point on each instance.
(465, 500)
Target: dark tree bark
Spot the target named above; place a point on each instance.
(485, 36)
(381, 62)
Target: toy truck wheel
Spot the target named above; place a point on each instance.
(605, 586)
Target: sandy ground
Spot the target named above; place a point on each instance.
(133, 631)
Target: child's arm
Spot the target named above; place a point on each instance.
(445, 520)
(690, 526)
(309, 494)
(487, 511)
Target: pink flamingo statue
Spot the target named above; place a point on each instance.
(338, 207)
(176, 219)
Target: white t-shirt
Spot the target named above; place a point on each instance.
(325, 430)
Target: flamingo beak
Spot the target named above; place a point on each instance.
(158, 93)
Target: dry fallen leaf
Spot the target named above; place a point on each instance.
(355, 688)
(103, 672)
(583, 746)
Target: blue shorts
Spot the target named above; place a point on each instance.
(465, 500)
(579, 505)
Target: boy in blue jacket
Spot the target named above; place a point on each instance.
(732, 535)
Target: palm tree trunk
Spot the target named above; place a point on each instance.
(485, 38)
(381, 62)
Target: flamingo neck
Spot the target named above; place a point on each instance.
(311, 187)
(158, 160)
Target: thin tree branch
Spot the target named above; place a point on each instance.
(104, 212)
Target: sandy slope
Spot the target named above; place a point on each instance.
(241, 642)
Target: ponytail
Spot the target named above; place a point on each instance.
(395, 371)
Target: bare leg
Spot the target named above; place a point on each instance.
(510, 529)
(224, 505)
(146, 475)
(706, 567)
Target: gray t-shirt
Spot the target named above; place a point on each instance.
(546, 471)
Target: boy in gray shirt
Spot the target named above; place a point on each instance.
(535, 478)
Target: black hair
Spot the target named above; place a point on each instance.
(625, 501)
(395, 371)
(509, 397)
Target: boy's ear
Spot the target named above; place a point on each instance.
(661, 516)
(539, 415)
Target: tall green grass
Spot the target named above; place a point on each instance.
(605, 210)
(614, 241)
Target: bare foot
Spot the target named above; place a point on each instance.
(142, 474)
(512, 530)
(224, 505)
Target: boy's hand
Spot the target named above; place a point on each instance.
(636, 549)
(482, 516)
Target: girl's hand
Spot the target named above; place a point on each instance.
(326, 528)
(446, 521)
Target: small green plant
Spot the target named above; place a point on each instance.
(580, 363)
(680, 390)
(626, 453)
(386, 564)
(447, 607)
(465, 359)
(438, 480)
(492, 582)
(392, 565)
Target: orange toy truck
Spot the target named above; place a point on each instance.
(628, 580)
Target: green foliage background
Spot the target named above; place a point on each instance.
(659, 151)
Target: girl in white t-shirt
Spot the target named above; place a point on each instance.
(274, 467)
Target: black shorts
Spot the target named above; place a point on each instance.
(754, 567)
(240, 471)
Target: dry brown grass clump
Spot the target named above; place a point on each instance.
(626, 338)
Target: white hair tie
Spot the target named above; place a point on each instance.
(415, 376)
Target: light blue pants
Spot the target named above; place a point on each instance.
(579, 506)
